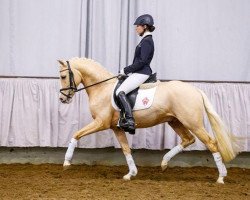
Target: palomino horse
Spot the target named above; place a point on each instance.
(178, 103)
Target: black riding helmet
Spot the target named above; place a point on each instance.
(144, 20)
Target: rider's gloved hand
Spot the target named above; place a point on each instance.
(122, 73)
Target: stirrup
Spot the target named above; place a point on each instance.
(130, 131)
(127, 128)
(128, 125)
(123, 123)
(120, 121)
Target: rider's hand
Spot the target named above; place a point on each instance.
(122, 73)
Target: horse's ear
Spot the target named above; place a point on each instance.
(61, 62)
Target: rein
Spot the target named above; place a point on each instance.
(72, 84)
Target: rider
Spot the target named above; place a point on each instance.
(139, 71)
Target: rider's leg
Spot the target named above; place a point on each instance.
(131, 83)
(126, 121)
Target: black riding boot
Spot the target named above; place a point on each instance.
(127, 123)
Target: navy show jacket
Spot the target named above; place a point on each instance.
(144, 53)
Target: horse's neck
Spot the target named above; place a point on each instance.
(91, 75)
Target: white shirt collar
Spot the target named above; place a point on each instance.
(144, 35)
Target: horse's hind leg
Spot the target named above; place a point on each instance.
(186, 137)
(211, 144)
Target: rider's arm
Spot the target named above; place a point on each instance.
(146, 49)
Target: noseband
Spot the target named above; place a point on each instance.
(72, 84)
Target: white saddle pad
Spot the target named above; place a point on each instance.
(144, 99)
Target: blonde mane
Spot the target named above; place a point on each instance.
(90, 67)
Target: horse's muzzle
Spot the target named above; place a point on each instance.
(67, 100)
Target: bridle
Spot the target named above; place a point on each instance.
(72, 84)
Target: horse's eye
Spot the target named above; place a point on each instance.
(63, 77)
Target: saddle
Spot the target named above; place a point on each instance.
(133, 94)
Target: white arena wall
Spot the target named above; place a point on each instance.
(32, 115)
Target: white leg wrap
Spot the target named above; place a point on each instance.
(220, 165)
(70, 150)
(177, 149)
(131, 165)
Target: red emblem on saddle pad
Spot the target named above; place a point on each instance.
(145, 101)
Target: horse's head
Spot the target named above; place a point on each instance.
(70, 78)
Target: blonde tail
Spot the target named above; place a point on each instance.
(225, 140)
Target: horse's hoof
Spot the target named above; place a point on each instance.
(164, 165)
(127, 177)
(220, 180)
(66, 165)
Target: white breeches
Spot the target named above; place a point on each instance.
(132, 82)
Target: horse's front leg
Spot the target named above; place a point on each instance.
(96, 125)
(120, 135)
